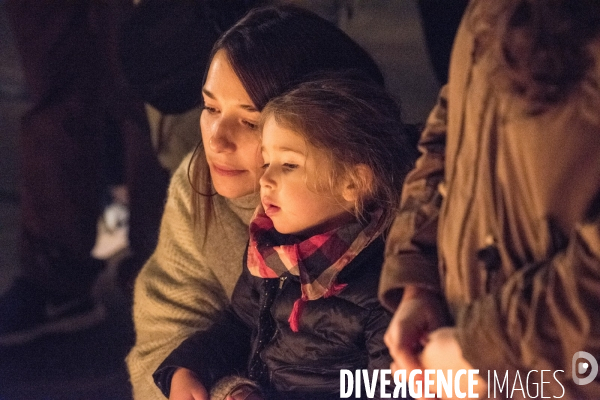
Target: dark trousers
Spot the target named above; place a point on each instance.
(82, 107)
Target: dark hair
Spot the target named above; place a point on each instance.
(540, 46)
(354, 122)
(273, 48)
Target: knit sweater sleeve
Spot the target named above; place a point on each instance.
(222, 350)
(175, 294)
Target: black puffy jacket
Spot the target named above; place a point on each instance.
(254, 338)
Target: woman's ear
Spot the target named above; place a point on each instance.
(358, 183)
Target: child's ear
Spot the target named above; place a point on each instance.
(358, 183)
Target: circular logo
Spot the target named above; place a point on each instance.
(580, 367)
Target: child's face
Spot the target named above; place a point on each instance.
(293, 189)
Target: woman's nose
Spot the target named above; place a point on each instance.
(221, 139)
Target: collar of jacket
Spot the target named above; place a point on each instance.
(317, 260)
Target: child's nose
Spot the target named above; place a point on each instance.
(266, 180)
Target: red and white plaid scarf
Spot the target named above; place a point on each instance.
(316, 260)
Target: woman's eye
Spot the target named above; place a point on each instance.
(211, 110)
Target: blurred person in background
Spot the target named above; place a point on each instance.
(85, 132)
(498, 235)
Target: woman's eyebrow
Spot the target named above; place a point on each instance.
(247, 107)
(208, 93)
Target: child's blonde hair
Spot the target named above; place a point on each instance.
(353, 121)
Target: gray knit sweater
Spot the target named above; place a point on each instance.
(184, 284)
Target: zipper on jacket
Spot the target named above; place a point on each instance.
(276, 331)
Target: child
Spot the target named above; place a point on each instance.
(306, 305)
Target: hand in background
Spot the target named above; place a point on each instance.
(442, 352)
(186, 386)
(420, 312)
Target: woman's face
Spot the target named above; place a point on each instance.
(229, 131)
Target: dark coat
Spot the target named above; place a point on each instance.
(254, 337)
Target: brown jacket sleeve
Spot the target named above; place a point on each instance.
(541, 316)
(410, 254)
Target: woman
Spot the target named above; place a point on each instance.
(191, 275)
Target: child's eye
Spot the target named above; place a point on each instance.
(265, 166)
(250, 125)
(289, 167)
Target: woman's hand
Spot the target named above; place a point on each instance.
(420, 312)
(186, 386)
